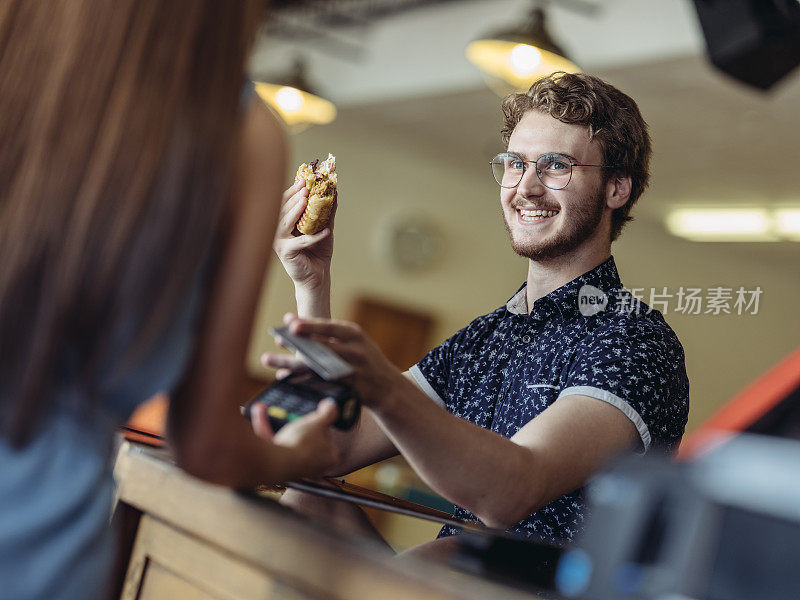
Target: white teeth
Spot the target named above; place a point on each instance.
(536, 214)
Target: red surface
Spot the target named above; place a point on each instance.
(745, 408)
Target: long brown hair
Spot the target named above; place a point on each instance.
(118, 121)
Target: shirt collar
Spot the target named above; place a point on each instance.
(565, 300)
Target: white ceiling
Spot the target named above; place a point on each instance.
(421, 52)
(715, 140)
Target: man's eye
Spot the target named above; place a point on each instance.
(514, 163)
(557, 164)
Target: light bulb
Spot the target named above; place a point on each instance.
(525, 59)
(289, 99)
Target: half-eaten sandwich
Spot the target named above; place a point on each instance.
(320, 180)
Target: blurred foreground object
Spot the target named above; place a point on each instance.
(724, 527)
(754, 41)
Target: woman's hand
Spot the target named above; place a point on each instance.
(309, 438)
(306, 258)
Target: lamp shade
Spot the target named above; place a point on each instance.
(521, 55)
(294, 101)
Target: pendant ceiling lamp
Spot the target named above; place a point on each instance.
(512, 59)
(294, 100)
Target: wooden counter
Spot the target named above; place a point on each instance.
(195, 540)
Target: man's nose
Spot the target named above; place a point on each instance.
(530, 184)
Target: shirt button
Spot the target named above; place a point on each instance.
(526, 339)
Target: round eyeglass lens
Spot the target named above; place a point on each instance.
(507, 169)
(554, 170)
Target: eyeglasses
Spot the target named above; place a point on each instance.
(554, 170)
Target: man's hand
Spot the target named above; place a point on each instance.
(309, 437)
(374, 375)
(306, 258)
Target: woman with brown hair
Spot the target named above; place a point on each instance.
(138, 199)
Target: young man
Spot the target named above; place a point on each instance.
(512, 415)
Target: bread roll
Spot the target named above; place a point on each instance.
(321, 182)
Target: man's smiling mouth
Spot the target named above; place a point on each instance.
(535, 215)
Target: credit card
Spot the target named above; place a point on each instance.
(320, 359)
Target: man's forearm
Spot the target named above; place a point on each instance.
(364, 445)
(489, 475)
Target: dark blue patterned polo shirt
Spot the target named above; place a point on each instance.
(589, 337)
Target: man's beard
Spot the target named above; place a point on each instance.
(583, 220)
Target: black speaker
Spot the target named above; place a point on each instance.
(754, 41)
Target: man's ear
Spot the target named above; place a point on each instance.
(618, 190)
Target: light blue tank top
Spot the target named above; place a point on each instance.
(56, 492)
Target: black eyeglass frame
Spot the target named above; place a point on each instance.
(538, 171)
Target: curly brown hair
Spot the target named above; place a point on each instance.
(611, 116)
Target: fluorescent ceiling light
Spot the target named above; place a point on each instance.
(722, 224)
(787, 223)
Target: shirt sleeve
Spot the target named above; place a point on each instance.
(432, 373)
(638, 367)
